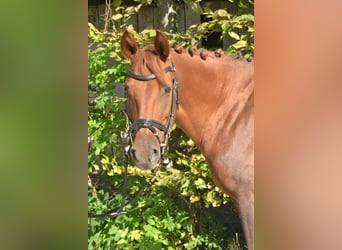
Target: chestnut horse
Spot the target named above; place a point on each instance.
(213, 105)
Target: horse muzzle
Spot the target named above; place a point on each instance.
(145, 151)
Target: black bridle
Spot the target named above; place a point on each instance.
(152, 124)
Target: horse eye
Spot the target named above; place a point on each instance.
(167, 89)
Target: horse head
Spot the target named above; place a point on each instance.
(151, 98)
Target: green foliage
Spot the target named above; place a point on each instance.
(166, 214)
(172, 207)
(239, 26)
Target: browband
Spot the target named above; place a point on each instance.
(149, 77)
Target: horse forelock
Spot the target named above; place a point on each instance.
(149, 59)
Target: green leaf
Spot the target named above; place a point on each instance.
(185, 162)
(240, 44)
(113, 230)
(222, 13)
(200, 183)
(225, 25)
(117, 16)
(116, 2)
(149, 33)
(194, 198)
(135, 235)
(234, 35)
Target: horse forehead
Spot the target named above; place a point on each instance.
(147, 57)
(146, 54)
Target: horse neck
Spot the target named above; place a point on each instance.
(204, 87)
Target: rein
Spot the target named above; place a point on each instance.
(119, 211)
(153, 124)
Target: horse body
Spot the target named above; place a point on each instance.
(216, 96)
(216, 111)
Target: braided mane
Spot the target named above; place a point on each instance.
(203, 53)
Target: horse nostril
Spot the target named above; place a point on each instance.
(155, 151)
(154, 156)
(132, 153)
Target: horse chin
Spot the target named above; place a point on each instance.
(147, 166)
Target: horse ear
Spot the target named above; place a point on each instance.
(128, 45)
(162, 45)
